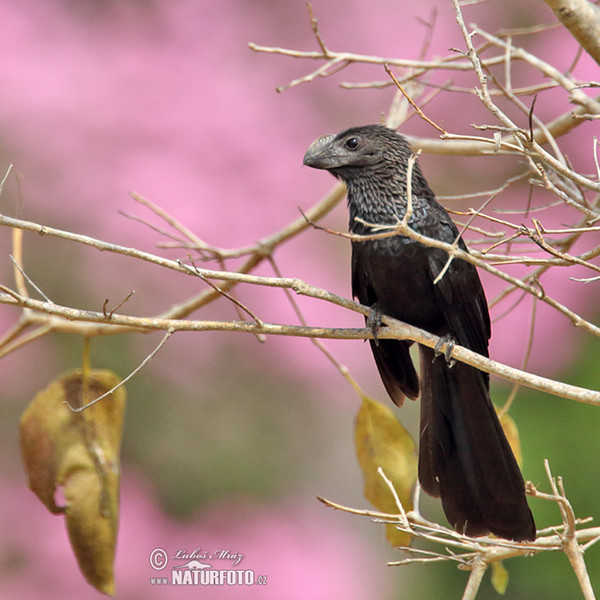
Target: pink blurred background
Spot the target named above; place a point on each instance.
(228, 441)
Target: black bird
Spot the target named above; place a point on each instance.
(464, 456)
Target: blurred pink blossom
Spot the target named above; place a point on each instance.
(302, 552)
(167, 99)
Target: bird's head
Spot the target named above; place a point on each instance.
(359, 152)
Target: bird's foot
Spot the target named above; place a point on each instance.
(374, 322)
(449, 341)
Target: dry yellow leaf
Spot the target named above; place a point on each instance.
(80, 453)
(381, 441)
(499, 577)
(512, 435)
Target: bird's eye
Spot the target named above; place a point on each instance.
(352, 143)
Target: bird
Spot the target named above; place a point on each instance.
(465, 458)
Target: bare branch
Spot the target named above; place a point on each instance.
(477, 554)
(395, 330)
(582, 19)
(126, 379)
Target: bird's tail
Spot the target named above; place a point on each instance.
(464, 456)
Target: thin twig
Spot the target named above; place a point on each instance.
(126, 379)
(412, 103)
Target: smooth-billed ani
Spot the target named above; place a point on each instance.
(464, 456)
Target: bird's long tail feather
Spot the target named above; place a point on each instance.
(464, 456)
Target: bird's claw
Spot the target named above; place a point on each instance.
(449, 341)
(374, 322)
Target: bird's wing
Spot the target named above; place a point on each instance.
(391, 356)
(461, 300)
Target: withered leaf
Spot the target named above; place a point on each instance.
(381, 441)
(80, 453)
(512, 435)
(499, 577)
